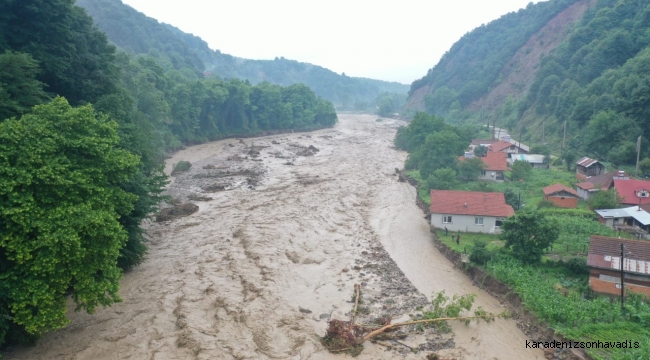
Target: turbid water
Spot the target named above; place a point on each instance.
(260, 268)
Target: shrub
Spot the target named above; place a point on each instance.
(479, 253)
(544, 204)
(181, 166)
(577, 266)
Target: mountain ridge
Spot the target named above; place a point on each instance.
(137, 33)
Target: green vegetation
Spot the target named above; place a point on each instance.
(60, 175)
(83, 133)
(473, 64)
(609, 199)
(595, 79)
(528, 234)
(181, 166)
(138, 34)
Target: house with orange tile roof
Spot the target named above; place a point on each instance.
(469, 211)
(509, 147)
(495, 164)
(604, 259)
(561, 195)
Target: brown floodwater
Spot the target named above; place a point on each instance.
(230, 281)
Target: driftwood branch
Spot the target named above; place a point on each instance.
(357, 294)
(392, 326)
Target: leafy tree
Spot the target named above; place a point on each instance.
(644, 166)
(605, 199)
(480, 151)
(521, 170)
(60, 202)
(512, 198)
(569, 158)
(528, 233)
(440, 150)
(470, 169)
(19, 89)
(442, 179)
(479, 253)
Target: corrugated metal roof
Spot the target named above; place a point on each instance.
(531, 158)
(586, 162)
(612, 213)
(640, 215)
(605, 252)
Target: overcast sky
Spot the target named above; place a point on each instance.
(390, 40)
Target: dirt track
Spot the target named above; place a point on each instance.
(256, 273)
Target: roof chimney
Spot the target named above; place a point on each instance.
(465, 205)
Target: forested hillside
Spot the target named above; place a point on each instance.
(139, 34)
(591, 72)
(83, 132)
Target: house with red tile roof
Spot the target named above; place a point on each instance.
(469, 211)
(596, 183)
(604, 259)
(561, 195)
(496, 164)
(633, 192)
(509, 147)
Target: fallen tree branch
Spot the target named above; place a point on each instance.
(392, 326)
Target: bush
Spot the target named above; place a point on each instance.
(479, 253)
(577, 266)
(545, 204)
(181, 166)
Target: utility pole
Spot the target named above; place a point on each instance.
(543, 140)
(638, 152)
(563, 139)
(622, 277)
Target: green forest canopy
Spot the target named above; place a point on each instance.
(138, 34)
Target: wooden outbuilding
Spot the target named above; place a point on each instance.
(587, 167)
(561, 195)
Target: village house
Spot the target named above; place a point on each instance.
(509, 147)
(495, 165)
(587, 167)
(469, 211)
(604, 259)
(633, 192)
(535, 160)
(633, 220)
(594, 184)
(481, 142)
(561, 195)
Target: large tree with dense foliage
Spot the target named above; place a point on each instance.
(528, 233)
(60, 205)
(605, 199)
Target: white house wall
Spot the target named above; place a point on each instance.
(465, 223)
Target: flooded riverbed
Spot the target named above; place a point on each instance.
(282, 233)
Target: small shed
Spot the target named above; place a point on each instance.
(561, 195)
(587, 167)
(604, 259)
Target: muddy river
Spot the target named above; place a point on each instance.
(286, 225)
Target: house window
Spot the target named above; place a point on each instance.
(499, 222)
(483, 173)
(446, 219)
(478, 221)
